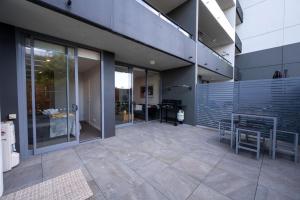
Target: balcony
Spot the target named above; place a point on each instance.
(211, 60)
(135, 20)
(239, 12)
(238, 44)
(214, 23)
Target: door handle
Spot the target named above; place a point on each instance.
(74, 107)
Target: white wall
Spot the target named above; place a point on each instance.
(89, 97)
(269, 23)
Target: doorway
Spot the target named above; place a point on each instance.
(89, 93)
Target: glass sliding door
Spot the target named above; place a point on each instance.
(51, 93)
(123, 95)
(154, 90)
(139, 95)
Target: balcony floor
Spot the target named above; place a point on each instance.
(161, 161)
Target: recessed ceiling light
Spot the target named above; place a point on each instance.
(40, 72)
(152, 62)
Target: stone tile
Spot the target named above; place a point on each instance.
(32, 160)
(239, 169)
(193, 167)
(245, 158)
(56, 167)
(281, 183)
(174, 183)
(206, 193)
(95, 188)
(21, 177)
(209, 157)
(93, 153)
(114, 178)
(144, 191)
(150, 168)
(283, 167)
(231, 185)
(58, 155)
(264, 193)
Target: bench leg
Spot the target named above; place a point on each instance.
(296, 147)
(237, 142)
(270, 143)
(258, 146)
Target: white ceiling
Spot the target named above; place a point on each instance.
(225, 4)
(213, 34)
(208, 75)
(32, 17)
(165, 6)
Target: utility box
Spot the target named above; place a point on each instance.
(11, 158)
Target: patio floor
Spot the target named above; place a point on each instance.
(161, 161)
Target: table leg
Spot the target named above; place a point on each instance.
(274, 139)
(232, 132)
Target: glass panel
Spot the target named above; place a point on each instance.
(51, 102)
(72, 96)
(123, 90)
(139, 95)
(153, 95)
(89, 91)
(29, 93)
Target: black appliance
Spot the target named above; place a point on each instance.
(169, 109)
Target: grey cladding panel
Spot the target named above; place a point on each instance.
(98, 11)
(291, 53)
(260, 58)
(181, 76)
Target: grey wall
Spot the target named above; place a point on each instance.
(8, 75)
(130, 19)
(108, 85)
(263, 64)
(181, 76)
(185, 16)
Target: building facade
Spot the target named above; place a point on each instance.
(270, 37)
(75, 70)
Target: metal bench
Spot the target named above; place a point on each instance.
(225, 130)
(247, 145)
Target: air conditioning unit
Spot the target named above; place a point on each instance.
(11, 158)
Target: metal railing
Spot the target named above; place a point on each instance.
(164, 17)
(216, 54)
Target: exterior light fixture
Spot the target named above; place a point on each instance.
(152, 62)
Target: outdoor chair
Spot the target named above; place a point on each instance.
(225, 130)
(247, 142)
(287, 142)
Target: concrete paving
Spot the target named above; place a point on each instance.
(161, 161)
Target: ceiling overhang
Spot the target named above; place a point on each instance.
(32, 17)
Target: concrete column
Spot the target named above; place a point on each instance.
(108, 94)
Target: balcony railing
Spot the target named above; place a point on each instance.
(216, 54)
(164, 17)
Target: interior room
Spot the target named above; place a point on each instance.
(89, 92)
(139, 95)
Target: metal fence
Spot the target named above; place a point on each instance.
(273, 97)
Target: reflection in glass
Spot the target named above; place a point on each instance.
(139, 95)
(123, 89)
(153, 95)
(54, 118)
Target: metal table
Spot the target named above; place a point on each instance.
(274, 119)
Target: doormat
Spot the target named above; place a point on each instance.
(69, 186)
